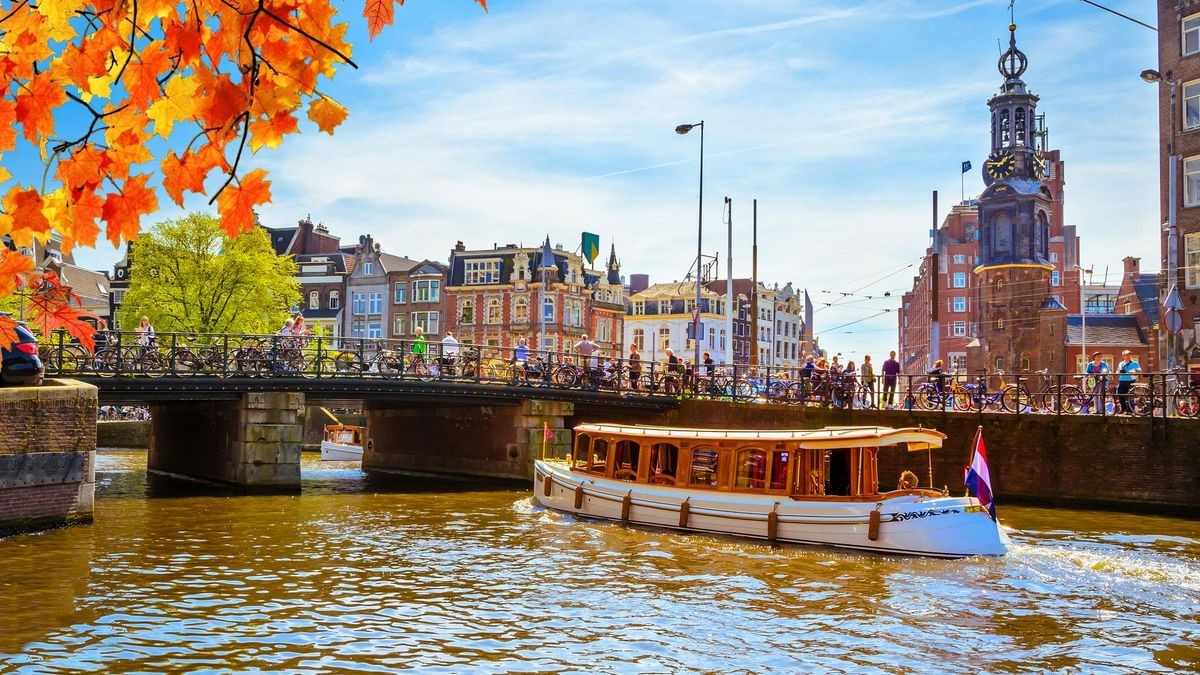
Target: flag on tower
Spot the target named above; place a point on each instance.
(966, 166)
(977, 478)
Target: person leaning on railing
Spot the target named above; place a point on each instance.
(1098, 369)
(1129, 367)
(635, 367)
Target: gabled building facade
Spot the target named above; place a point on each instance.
(367, 290)
(417, 301)
(660, 318)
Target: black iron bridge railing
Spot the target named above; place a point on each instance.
(130, 354)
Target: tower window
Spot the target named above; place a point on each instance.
(960, 279)
(1191, 181)
(1005, 137)
(1019, 123)
(1191, 35)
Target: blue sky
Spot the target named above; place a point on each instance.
(840, 117)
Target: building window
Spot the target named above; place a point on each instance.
(375, 303)
(482, 272)
(358, 303)
(493, 311)
(1191, 35)
(426, 291)
(999, 363)
(466, 312)
(548, 309)
(521, 310)
(1191, 181)
(958, 362)
(335, 299)
(1026, 363)
(1053, 256)
(426, 321)
(664, 338)
(960, 259)
(1191, 260)
(664, 306)
(374, 330)
(400, 295)
(577, 313)
(639, 338)
(639, 307)
(999, 324)
(314, 300)
(1054, 280)
(358, 329)
(367, 269)
(960, 280)
(960, 328)
(960, 304)
(602, 330)
(398, 322)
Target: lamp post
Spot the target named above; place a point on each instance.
(1082, 312)
(1154, 77)
(681, 130)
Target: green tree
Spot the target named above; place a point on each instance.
(189, 276)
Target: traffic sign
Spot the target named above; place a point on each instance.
(696, 314)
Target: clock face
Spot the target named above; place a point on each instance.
(1039, 165)
(999, 164)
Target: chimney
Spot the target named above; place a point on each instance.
(458, 246)
(1132, 265)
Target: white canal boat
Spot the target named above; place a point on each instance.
(342, 443)
(817, 487)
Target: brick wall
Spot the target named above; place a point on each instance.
(57, 419)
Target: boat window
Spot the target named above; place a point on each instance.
(664, 457)
(751, 469)
(599, 459)
(704, 467)
(837, 472)
(780, 462)
(582, 441)
(627, 456)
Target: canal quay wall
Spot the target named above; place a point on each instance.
(1083, 461)
(123, 434)
(47, 455)
(251, 442)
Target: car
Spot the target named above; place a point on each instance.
(21, 364)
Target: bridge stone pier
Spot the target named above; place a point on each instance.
(252, 442)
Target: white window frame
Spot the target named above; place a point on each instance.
(358, 303)
(481, 272)
(549, 309)
(1053, 256)
(374, 330)
(426, 321)
(375, 303)
(400, 293)
(960, 328)
(960, 303)
(367, 269)
(1194, 29)
(959, 280)
(1190, 93)
(1191, 181)
(521, 309)
(1055, 278)
(664, 306)
(639, 338)
(398, 321)
(426, 290)
(1191, 260)
(335, 300)
(466, 312)
(493, 317)
(664, 338)
(314, 299)
(960, 259)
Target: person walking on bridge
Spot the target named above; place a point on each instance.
(891, 372)
(868, 380)
(419, 347)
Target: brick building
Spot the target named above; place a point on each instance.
(493, 298)
(369, 312)
(416, 299)
(1001, 273)
(1179, 140)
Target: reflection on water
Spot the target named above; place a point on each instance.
(455, 576)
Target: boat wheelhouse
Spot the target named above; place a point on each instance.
(811, 487)
(342, 443)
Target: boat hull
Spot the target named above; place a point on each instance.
(340, 452)
(944, 527)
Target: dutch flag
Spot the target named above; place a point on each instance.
(977, 477)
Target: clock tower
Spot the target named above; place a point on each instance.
(1021, 324)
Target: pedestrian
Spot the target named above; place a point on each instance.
(891, 372)
(419, 347)
(710, 367)
(145, 332)
(521, 354)
(1128, 369)
(635, 367)
(1098, 369)
(587, 349)
(674, 378)
(868, 379)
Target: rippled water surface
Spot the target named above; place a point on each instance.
(360, 574)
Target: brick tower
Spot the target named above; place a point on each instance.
(1021, 324)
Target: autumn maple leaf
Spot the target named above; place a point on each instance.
(269, 133)
(327, 114)
(123, 211)
(35, 106)
(237, 201)
(381, 13)
(13, 267)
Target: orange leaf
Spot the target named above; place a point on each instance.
(8, 125)
(123, 211)
(379, 13)
(269, 133)
(183, 173)
(83, 169)
(25, 209)
(8, 331)
(237, 201)
(327, 113)
(51, 311)
(36, 103)
(13, 267)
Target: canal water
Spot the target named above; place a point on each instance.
(365, 575)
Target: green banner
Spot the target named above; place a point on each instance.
(591, 247)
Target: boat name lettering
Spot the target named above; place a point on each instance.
(923, 514)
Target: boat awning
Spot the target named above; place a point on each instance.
(828, 437)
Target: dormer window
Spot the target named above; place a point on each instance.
(368, 269)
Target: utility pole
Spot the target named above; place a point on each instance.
(754, 291)
(729, 299)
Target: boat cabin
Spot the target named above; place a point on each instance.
(831, 462)
(343, 434)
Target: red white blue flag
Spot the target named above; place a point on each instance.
(978, 479)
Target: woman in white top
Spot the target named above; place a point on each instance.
(145, 332)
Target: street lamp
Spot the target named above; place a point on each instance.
(1154, 77)
(1082, 312)
(681, 130)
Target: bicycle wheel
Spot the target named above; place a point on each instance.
(928, 397)
(1015, 398)
(565, 376)
(1187, 402)
(1142, 402)
(1073, 399)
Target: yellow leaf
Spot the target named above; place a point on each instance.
(100, 86)
(177, 104)
(57, 14)
(327, 113)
